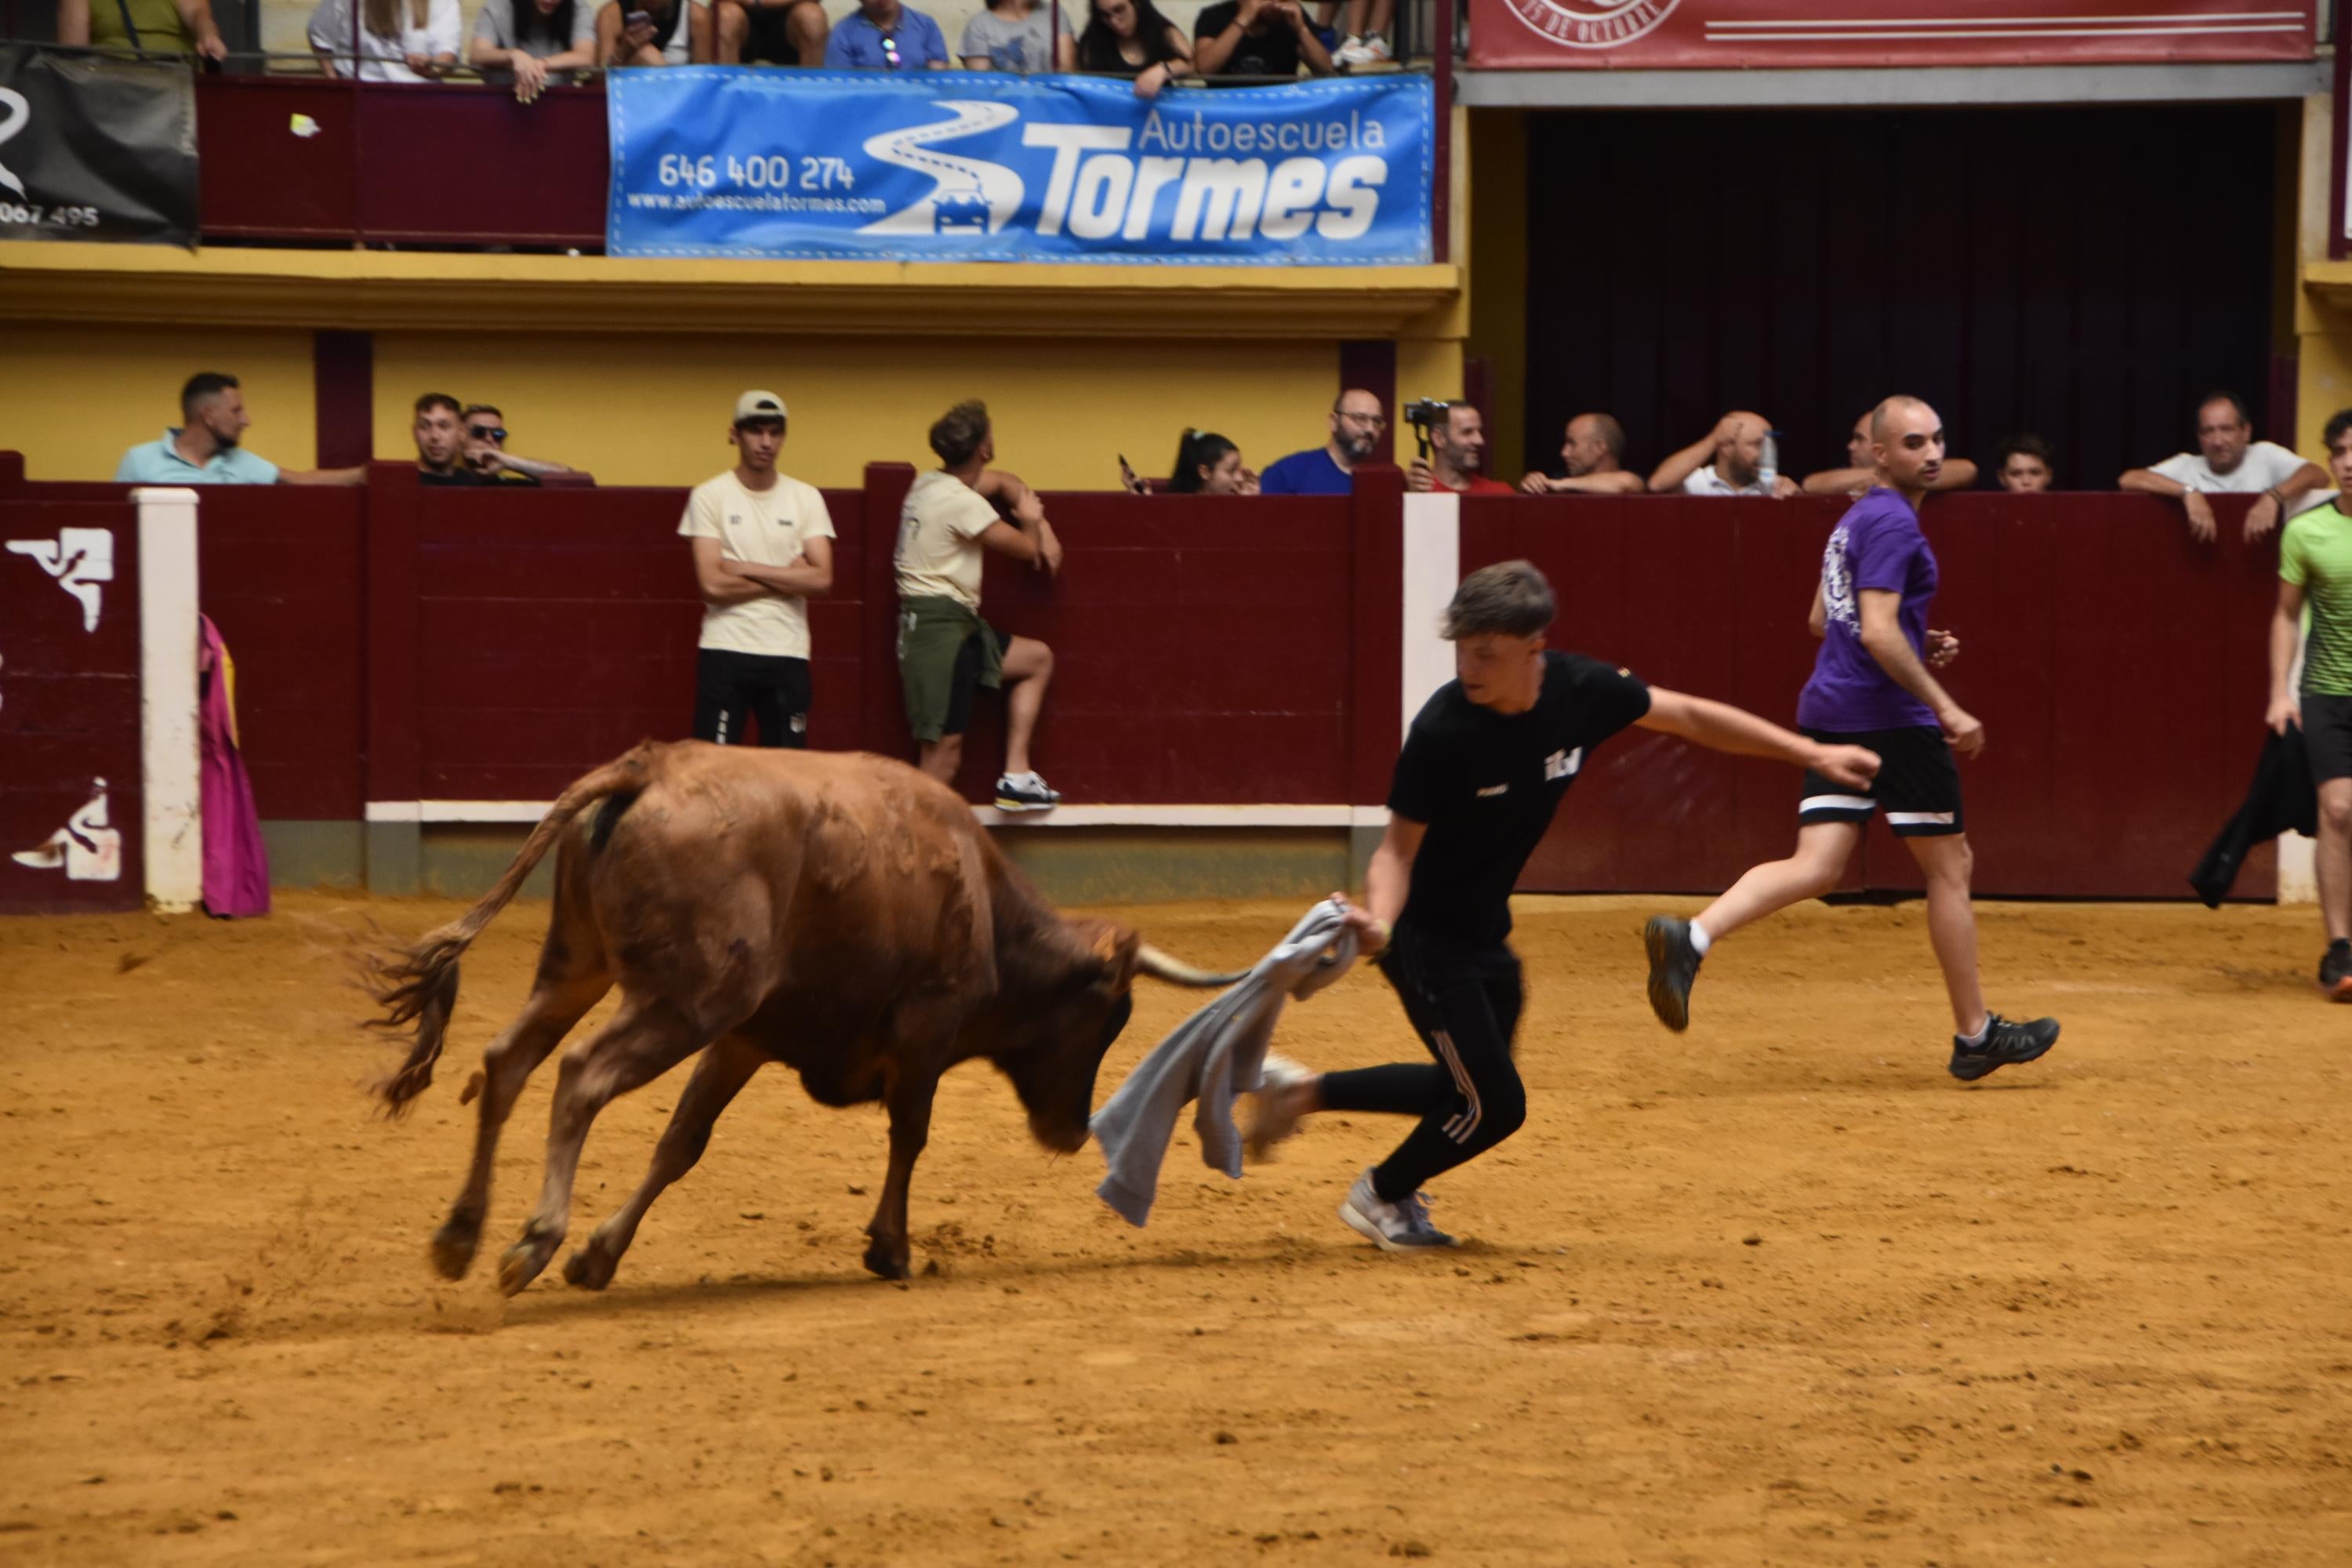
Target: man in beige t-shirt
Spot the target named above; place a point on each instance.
(945, 649)
(762, 544)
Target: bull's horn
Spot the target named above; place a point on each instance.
(1157, 964)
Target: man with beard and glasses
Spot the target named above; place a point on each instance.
(1358, 427)
(208, 449)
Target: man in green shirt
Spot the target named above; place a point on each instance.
(150, 26)
(2316, 569)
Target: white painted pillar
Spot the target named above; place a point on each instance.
(170, 758)
(1433, 570)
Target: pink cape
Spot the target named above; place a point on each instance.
(236, 866)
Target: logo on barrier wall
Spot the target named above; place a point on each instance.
(80, 559)
(1592, 24)
(89, 847)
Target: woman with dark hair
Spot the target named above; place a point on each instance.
(653, 33)
(537, 42)
(1209, 465)
(1131, 38)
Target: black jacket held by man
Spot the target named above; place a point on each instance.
(2282, 797)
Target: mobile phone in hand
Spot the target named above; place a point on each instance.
(638, 19)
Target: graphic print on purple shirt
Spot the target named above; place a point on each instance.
(1876, 545)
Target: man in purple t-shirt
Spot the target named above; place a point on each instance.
(1872, 687)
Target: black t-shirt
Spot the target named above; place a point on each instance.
(1274, 52)
(1486, 784)
(463, 476)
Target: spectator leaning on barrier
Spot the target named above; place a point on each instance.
(487, 453)
(1594, 453)
(399, 41)
(2316, 568)
(883, 35)
(648, 33)
(1131, 38)
(1257, 37)
(1356, 428)
(2230, 461)
(150, 26)
(762, 546)
(1861, 470)
(769, 32)
(209, 449)
(1209, 465)
(534, 43)
(945, 650)
(1457, 449)
(1010, 36)
(1727, 461)
(2025, 465)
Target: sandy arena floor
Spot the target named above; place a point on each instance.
(1775, 1292)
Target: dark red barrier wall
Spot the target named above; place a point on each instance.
(2118, 668)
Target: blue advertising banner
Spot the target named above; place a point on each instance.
(979, 167)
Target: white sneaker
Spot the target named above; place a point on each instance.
(1378, 48)
(1352, 52)
(1401, 1226)
(1275, 1120)
(1025, 792)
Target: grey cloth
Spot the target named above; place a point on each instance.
(1212, 1057)
(1011, 43)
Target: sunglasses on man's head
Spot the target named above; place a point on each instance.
(890, 49)
(485, 432)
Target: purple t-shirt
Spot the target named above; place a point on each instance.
(1876, 545)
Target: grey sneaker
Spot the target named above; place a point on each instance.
(1401, 1226)
(2006, 1043)
(1275, 1120)
(1025, 792)
(1674, 965)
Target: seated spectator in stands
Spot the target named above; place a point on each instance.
(1861, 470)
(1729, 460)
(2026, 467)
(209, 450)
(399, 41)
(487, 453)
(883, 35)
(1594, 454)
(2230, 461)
(952, 517)
(1257, 37)
(1209, 465)
(652, 33)
(1010, 36)
(150, 26)
(536, 43)
(1366, 43)
(1357, 428)
(439, 432)
(1457, 449)
(1131, 38)
(769, 32)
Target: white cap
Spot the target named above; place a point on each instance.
(759, 405)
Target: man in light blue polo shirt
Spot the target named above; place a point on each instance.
(885, 36)
(207, 450)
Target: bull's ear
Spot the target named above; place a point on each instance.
(1117, 948)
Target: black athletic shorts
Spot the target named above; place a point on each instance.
(730, 688)
(1919, 785)
(966, 680)
(2327, 732)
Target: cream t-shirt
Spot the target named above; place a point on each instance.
(939, 540)
(762, 528)
(2265, 466)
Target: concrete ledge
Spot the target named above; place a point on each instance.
(1894, 86)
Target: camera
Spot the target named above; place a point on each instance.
(1423, 415)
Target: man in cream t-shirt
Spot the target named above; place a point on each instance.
(762, 544)
(2230, 461)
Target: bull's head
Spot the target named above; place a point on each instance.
(1063, 1042)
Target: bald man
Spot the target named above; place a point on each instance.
(1856, 478)
(1729, 460)
(1357, 430)
(1872, 688)
(1595, 457)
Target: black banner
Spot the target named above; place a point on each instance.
(92, 148)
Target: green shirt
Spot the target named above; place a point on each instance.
(161, 29)
(2315, 554)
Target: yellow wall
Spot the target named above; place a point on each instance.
(639, 410)
(75, 396)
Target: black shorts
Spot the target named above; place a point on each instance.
(2327, 732)
(1919, 785)
(731, 688)
(767, 38)
(966, 680)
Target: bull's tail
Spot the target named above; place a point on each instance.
(416, 985)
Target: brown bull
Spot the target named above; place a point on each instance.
(839, 913)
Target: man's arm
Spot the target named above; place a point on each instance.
(1720, 727)
(198, 17)
(2200, 510)
(1671, 473)
(1883, 640)
(806, 581)
(1620, 483)
(533, 467)
(2267, 512)
(1842, 481)
(719, 580)
(323, 476)
(73, 23)
(1310, 48)
(1389, 878)
(1210, 54)
(2286, 633)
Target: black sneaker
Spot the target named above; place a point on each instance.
(1674, 965)
(1025, 792)
(2336, 970)
(2005, 1042)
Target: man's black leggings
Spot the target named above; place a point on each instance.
(1466, 1007)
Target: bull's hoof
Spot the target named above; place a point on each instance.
(589, 1268)
(454, 1246)
(526, 1260)
(889, 1265)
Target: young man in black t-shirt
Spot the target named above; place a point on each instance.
(1482, 770)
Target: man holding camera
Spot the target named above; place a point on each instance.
(1452, 439)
